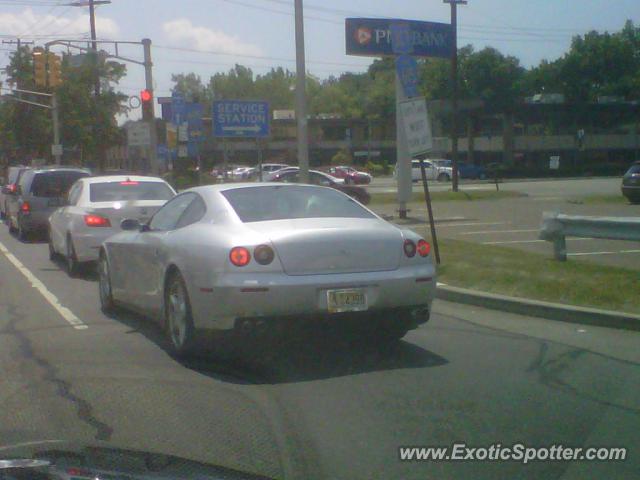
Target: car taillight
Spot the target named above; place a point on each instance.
(409, 248)
(239, 256)
(96, 221)
(12, 188)
(25, 207)
(423, 248)
(264, 254)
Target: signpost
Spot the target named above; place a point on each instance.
(240, 119)
(416, 126)
(405, 40)
(139, 134)
(372, 37)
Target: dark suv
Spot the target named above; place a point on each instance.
(40, 191)
(631, 183)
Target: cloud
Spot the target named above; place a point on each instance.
(202, 38)
(28, 24)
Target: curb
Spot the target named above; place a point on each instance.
(536, 308)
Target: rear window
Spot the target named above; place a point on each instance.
(54, 184)
(259, 204)
(634, 169)
(128, 190)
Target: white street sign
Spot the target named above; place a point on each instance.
(183, 132)
(139, 134)
(416, 124)
(183, 151)
(56, 150)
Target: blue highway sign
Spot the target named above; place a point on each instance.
(373, 37)
(239, 118)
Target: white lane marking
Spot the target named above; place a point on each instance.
(38, 285)
(535, 241)
(601, 253)
(482, 232)
(472, 224)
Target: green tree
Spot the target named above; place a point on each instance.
(191, 87)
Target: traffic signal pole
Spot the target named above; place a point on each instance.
(148, 75)
(56, 128)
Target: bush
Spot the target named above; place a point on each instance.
(343, 157)
(375, 169)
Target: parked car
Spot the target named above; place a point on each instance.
(240, 173)
(39, 193)
(11, 186)
(631, 183)
(267, 168)
(349, 175)
(235, 257)
(433, 172)
(465, 170)
(326, 180)
(270, 176)
(93, 212)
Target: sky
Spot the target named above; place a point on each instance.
(210, 36)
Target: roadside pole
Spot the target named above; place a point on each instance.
(56, 128)
(301, 99)
(259, 147)
(454, 91)
(432, 225)
(403, 162)
(148, 75)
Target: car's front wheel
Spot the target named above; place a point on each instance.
(53, 255)
(178, 319)
(104, 284)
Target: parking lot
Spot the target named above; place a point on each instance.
(515, 222)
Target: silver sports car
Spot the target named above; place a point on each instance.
(226, 257)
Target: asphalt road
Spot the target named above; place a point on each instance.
(316, 406)
(515, 222)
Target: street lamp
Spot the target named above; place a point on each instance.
(454, 91)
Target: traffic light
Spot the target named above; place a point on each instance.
(55, 71)
(39, 67)
(146, 98)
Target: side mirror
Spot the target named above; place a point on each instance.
(130, 224)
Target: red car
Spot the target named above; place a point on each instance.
(349, 174)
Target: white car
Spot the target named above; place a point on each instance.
(267, 169)
(94, 209)
(434, 170)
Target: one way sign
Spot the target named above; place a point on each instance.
(238, 119)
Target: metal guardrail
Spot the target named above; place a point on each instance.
(557, 226)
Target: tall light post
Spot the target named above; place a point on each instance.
(301, 99)
(454, 91)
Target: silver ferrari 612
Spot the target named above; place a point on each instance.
(225, 257)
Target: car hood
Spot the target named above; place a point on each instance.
(62, 460)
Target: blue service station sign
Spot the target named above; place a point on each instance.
(240, 119)
(376, 37)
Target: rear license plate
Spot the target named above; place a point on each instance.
(352, 300)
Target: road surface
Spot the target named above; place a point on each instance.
(316, 406)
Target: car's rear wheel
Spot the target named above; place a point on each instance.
(73, 266)
(12, 228)
(104, 284)
(178, 319)
(443, 177)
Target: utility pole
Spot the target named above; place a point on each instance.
(454, 90)
(94, 47)
(56, 129)
(301, 99)
(148, 75)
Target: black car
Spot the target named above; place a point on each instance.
(631, 183)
